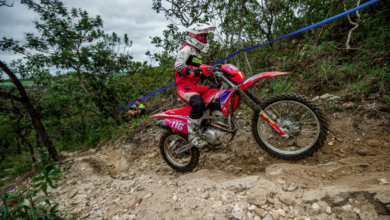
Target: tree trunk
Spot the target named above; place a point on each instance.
(90, 97)
(35, 118)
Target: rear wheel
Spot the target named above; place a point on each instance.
(183, 162)
(300, 118)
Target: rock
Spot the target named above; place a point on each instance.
(328, 96)
(348, 105)
(270, 200)
(356, 210)
(383, 182)
(174, 197)
(147, 196)
(273, 170)
(347, 207)
(330, 143)
(366, 216)
(229, 169)
(362, 152)
(292, 187)
(329, 210)
(282, 212)
(131, 176)
(194, 207)
(268, 217)
(286, 200)
(257, 196)
(260, 212)
(252, 207)
(136, 203)
(223, 198)
(277, 205)
(128, 217)
(236, 212)
(316, 98)
(325, 96)
(374, 143)
(276, 215)
(344, 214)
(261, 159)
(257, 218)
(323, 216)
(291, 143)
(281, 181)
(314, 209)
(205, 195)
(220, 157)
(217, 204)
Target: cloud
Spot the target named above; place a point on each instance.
(134, 17)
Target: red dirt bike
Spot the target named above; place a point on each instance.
(287, 126)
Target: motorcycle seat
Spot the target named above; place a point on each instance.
(180, 111)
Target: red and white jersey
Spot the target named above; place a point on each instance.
(187, 56)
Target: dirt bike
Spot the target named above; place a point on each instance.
(288, 126)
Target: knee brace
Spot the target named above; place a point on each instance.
(198, 106)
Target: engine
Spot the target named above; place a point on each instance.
(214, 135)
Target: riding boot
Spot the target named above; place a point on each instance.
(193, 134)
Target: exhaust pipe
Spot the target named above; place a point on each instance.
(163, 124)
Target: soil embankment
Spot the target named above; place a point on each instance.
(127, 179)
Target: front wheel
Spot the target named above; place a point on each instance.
(183, 162)
(300, 118)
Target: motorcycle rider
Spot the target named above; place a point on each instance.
(188, 74)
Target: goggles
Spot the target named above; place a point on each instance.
(202, 38)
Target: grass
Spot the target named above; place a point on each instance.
(23, 82)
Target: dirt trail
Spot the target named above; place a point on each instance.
(128, 179)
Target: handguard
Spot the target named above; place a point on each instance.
(206, 69)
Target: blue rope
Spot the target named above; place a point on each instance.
(219, 61)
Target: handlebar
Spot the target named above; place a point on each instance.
(223, 77)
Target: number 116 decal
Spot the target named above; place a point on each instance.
(177, 125)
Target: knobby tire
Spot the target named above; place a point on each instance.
(194, 151)
(310, 104)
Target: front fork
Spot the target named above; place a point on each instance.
(252, 104)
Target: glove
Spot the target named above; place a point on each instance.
(193, 71)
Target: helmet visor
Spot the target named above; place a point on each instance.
(202, 38)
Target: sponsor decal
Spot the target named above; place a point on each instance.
(265, 116)
(196, 60)
(230, 67)
(225, 96)
(253, 78)
(177, 125)
(214, 96)
(187, 88)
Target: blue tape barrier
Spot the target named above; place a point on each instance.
(302, 30)
(219, 61)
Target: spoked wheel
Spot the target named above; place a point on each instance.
(183, 162)
(300, 118)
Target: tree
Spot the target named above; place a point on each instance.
(29, 107)
(72, 40)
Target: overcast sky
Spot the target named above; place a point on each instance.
(134, 17)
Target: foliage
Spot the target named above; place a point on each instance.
(102, 76)
(49, 173)
(22, 205)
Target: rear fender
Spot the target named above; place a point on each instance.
(259, 76)
(176, 122)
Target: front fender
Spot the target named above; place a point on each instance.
(259, 76)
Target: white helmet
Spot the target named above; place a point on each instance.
(197, 35)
